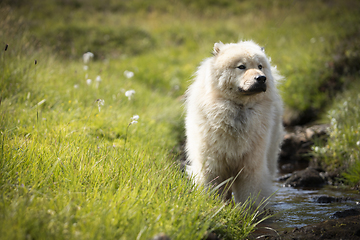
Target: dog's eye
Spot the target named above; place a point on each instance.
(242, 67)
(260, 66)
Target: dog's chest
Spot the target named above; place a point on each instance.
(241, 122)
(233, 131)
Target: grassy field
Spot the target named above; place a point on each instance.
(75, 165)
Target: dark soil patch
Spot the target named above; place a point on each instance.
(296, 151)
(309, 177)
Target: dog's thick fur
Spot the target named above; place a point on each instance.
(234, 121)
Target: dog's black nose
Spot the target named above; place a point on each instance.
(260, 79)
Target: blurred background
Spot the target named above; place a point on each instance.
(313, 43)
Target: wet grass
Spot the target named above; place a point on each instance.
(72, 164)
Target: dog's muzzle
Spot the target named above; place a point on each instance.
(258, 86)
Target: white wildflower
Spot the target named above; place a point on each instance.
(133, 122)
(333, 121)
(128, 74)
(87, 56)
(98, 80)
(85, 67)
(358, 143)
(129, 94)
(313, 40)
(100, 102)
(88, 82)
(76, 86)
(135, 117)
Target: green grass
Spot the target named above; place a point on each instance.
(72, 170)
(341, 153)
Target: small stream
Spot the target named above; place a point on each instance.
(299, 207)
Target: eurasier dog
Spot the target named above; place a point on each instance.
(234, 122)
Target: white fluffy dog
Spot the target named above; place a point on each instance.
(234, 122)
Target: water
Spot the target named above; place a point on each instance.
(298, 207)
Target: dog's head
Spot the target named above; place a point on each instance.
(241, 69)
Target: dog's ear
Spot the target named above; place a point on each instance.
(217, 47)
